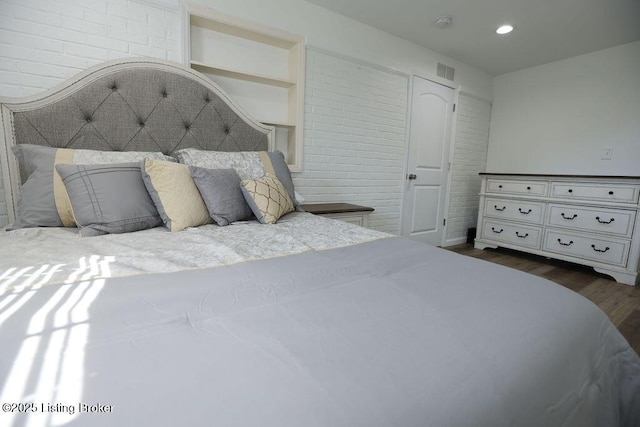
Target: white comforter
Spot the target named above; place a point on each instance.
(39, 256)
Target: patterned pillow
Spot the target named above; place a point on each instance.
(175, 194)
(267, 197)
(43, 200)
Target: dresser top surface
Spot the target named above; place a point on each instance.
(559, 175)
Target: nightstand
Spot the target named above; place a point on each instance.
(354, 214)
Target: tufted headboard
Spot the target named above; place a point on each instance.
(137, 104)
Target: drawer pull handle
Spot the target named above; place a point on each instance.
(528, 188)
(600, 250)
(605, 222)
(611, 193)
(500, 186)
(498, 209)
(496, 231)
(525, 235)
(570, 190)
(569, 217)
(523, 212)
(565, 244)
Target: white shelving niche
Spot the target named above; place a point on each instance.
(261, 68)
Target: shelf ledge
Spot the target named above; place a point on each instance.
(237, 74)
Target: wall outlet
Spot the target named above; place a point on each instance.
(607, 154)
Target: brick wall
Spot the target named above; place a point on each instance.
(42, 43)
(355, 123)
(4, 219)
(469, 158)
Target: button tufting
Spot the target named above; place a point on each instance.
(141, 124)
(164, 94)
(207, 99)
(88, 119)
(114, 88)
(226, 130)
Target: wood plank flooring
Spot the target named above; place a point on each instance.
(620, 302)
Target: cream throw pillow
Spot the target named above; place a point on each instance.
(267, 197)
(175, 194)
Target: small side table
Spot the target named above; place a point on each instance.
(354, 214)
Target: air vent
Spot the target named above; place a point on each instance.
(445, 71)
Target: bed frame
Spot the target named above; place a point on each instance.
(133, 104)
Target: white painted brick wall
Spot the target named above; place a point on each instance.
(43, 43)
(4, 220)
(469, 159)
(355, 123)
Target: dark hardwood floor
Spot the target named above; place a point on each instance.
(620, 302)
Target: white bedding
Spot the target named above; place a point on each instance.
(40, 256)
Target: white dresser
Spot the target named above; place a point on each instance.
(590, 220)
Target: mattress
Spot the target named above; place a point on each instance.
(354, 328)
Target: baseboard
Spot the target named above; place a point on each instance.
(453, 242)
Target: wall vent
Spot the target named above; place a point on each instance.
(445, 71)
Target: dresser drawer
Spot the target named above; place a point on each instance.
(518, 210)
(512, 233)
(599, 192)
(609, 251)
(510, 186)
(600, 220)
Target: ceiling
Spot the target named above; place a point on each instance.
(545, 30)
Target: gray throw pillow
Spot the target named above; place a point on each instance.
(283, 173)
(221, 192)
(36, 202)
(109, 198)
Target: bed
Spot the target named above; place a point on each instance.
(305, 321)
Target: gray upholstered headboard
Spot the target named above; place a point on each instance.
(137, 104)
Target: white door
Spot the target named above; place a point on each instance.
(428, 162)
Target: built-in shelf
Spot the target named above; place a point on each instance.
(236, 74)
(261, 68)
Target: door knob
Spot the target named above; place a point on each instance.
(411, 176)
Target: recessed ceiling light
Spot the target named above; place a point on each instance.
(505, 29)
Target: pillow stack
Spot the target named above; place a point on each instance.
(117, 192)
(43, 199)
(261, 174)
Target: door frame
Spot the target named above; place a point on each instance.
(456, 92)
